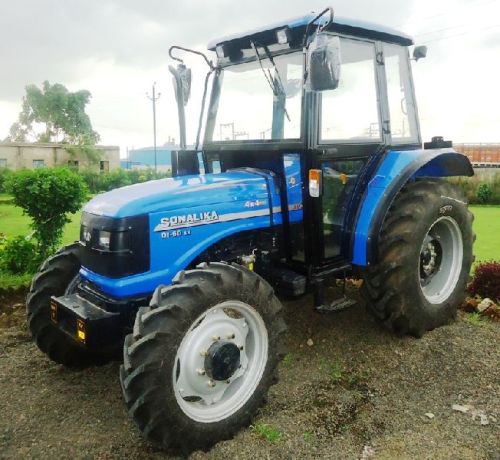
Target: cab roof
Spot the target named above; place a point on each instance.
(297, 26)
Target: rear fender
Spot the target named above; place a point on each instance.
(395, 170)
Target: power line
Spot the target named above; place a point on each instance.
(467, 32)
(446, 13)
(153, 99)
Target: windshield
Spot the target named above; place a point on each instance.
(249, 109)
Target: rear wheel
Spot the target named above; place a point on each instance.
(425, 255)
(202, 356)
(57, 276)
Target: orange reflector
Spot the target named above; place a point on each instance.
(315, 182)
(53, 311)
(80, 330)
(343, 178)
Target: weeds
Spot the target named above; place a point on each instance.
(288, 359)
(334, 369)
(308, 436)
(475, 319)
(268, 432)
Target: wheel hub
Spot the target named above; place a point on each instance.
(440, 261)
(222, 360)
(430, 258)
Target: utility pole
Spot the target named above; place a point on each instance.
(153, 99)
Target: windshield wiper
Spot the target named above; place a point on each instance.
(275, 83)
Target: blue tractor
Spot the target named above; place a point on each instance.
(311, 169)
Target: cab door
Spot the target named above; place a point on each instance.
(350, 129)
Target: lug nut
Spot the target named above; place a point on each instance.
(211, 383)
(228, 381)
(200, 371)
(216, 338)
(203, 352)
(231, 336)
(241, 347)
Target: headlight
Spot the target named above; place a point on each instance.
(104, 239)
(283, 36)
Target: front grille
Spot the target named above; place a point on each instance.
(128, 251)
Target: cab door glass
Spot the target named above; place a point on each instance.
(400, 94)
(339, 179)
(350, 112)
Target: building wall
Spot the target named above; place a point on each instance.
(15, 155)
(480, 153)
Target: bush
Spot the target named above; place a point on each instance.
(486, 281)
(103, 182)
(484, 193)
(18, 256)
(479, 190)
(4, 175)
(47, 196)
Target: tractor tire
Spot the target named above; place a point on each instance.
(202, 356)
(57, 276)
(425, 255)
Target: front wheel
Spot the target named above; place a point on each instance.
(58, 276)
(202, 356)
(425, 255)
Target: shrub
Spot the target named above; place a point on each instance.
(479, 189)
(103, 182)
(18, 256)
(4, 175)
(484, 193)
(47, 196)
(486, 281)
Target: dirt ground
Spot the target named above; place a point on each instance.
(356, 392)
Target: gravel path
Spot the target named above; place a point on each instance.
(356, 392)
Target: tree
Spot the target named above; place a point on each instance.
(54, 114)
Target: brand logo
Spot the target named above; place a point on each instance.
(186, 220)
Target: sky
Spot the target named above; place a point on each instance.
(117, 49)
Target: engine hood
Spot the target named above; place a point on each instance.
(179, 193)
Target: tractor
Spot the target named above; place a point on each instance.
(310, 169)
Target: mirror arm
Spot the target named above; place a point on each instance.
(330, 20)
(202, 111)
(188, 50)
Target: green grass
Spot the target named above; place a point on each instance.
(487, 228)
(8, 281)
(268, 432)
(13, 223)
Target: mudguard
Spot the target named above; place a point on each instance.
(394, 171)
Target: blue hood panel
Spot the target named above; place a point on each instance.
(180, 193)
(186, 216)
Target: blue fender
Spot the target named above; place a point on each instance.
(394, 171)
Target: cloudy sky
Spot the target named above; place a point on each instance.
(117, 48)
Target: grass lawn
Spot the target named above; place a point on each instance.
(13, 223)
(487, 228)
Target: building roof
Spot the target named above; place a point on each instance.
(341, 25)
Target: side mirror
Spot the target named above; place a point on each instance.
(182, 76)
(419, 52)
(324, 63)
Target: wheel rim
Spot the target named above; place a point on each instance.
(440, 261)
(210, 381)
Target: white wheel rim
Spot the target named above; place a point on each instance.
(441, 258)
(202, 398)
